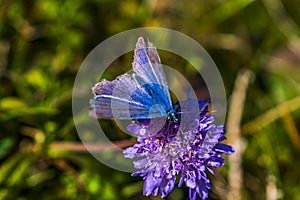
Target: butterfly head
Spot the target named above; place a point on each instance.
(172, 116)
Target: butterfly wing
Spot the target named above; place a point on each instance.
(123, 98)
(143, 94)
(147, 66)
(157, 67)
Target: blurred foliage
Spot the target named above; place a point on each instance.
(43, 42)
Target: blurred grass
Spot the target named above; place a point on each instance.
(42, 44)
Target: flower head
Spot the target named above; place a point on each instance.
(178, 150)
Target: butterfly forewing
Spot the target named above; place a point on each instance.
(149, 71)
(157, 67)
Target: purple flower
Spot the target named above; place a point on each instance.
(178, 150)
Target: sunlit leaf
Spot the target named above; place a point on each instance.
(11, 103)
(37, 79)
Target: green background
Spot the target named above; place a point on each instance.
(42, 44)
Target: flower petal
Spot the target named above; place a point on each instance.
(167, 186)
(151, 185)
(224, 149)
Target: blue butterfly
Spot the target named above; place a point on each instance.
(144, 94)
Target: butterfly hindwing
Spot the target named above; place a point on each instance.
(123, 98)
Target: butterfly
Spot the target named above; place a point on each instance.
(143, 94)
